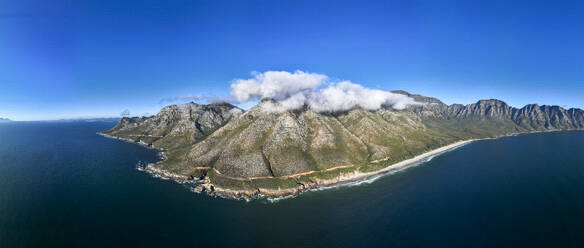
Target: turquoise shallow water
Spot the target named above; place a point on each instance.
(61, 185)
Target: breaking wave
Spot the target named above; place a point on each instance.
(368, 179)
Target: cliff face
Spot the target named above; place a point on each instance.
(548, 117)
(175, 125)
(530, 117)
(263, 143)
(268, 147)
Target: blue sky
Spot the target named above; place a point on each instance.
(67, 59)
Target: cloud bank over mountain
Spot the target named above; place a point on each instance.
(294, 90)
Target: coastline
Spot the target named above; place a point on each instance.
(343, 179)
(129, 141)
(244, 194)
(154, 171)
(206, 186)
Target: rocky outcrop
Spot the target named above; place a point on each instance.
(493, 108)
(530, 117)
(548, 117)
(264, 143)
(176, 125)
(269, 150)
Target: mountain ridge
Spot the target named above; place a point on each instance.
(271, 148)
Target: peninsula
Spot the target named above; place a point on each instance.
(274, 152)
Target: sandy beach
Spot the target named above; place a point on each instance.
(351, 177)
(407, 162)
(340, 180)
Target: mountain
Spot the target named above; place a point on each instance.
(175, 125)
(4, 120)
(270, 151)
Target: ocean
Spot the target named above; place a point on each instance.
(62, 185)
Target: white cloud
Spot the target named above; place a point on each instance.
(275, 84)
(294, 90)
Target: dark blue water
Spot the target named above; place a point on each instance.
(63, 185)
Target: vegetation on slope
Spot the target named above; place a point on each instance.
(263, 148)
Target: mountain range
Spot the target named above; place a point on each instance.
(269, 151)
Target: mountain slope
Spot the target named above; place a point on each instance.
(270, 148)
(262, 143)
(175, 125)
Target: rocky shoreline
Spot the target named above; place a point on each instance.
(132, 141)
(356, 176)
(149, 168)
(209, 188)
(261, 152)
